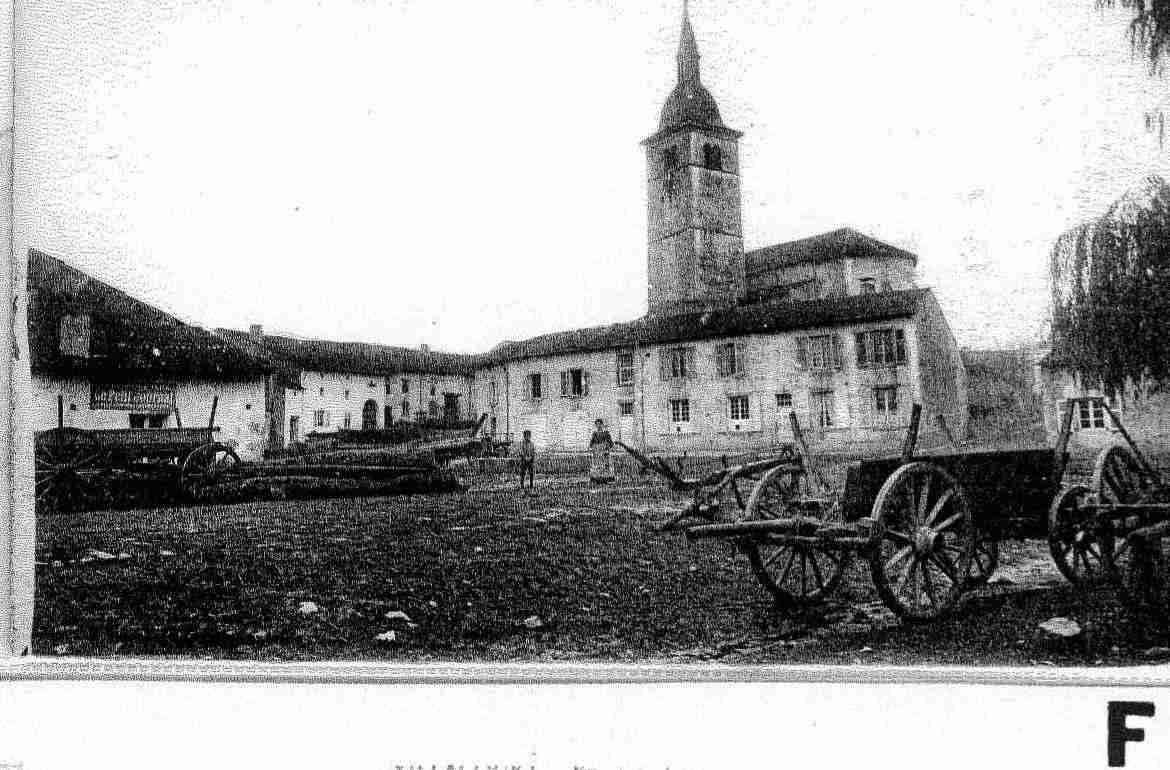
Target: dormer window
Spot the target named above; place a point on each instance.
(74, 335)
(713, 157)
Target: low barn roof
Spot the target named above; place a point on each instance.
(355, 357)
(128, 339)
(761, 318)
(835, 244)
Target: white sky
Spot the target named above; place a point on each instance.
(460, 173)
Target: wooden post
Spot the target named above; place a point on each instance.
(1149, 469)
(911, 441)
(806, 457)
(211, 420)
(60, 411)
(946, 430)
(1060, 459)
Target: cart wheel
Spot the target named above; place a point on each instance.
(1118, 479)
(921, 563)
(797, 574)
(207, 466)
(794, 573)
(1077, 547)
(984, 560)
(64, 459)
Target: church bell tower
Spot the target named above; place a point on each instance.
(695, 255)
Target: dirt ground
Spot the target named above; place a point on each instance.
(571, 573)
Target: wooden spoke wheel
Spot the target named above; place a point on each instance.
(795, 573)
(984, 560)
(920, 564)
(65, 460)
(1118, 479)
(207, 466)
(1077, 545)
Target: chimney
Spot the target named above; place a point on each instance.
(256, 330)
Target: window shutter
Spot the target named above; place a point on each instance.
(664, 364)
(900, 344)
(838, 361)
(544, 385)
(564, 383)
(802, 352)
(584, 382)
(690, 358)
(740, 369)
(617, 368)
(718, 359)
(862, 353)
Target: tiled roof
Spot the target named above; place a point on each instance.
(835, 244)
(128, 338)
(767, 317)
(355, 357)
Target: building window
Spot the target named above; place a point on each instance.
(729, 359)
(432, 390)
(626, 408)
(389, 389)
(347, 392)
(405, 385)
(1090, 414)
(625, 368)
(822, 352)
(713, 157)
(886, 285)
(405, 409)
(868, 286)
(433, 409)
(495, 394)
(670, 159)
(680, 410)
(148, 421)
(678, 363)
(881, 347)
(534, 383)
(783, 400)
(574, 383)
(320, 418)
(347, 422)
(824, 408)
(740, 408)
(885, 400)
(321, 392)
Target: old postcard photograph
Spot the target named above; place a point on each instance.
(707, 334)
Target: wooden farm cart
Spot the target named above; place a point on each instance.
(70, 462)
(928, 524)
(1119, 524)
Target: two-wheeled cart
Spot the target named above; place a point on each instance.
(929, 524)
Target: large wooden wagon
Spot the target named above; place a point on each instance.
(929, 524)
(71, 463)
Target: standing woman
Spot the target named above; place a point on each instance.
(601, 464)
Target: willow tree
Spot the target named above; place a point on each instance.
(1111, 295)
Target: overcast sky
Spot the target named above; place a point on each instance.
(460, 173)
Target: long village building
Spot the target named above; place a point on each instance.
(832, 328)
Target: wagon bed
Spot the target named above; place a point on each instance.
(1009, 491)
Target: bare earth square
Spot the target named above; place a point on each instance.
(574, 573)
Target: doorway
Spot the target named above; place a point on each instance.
(370, 415)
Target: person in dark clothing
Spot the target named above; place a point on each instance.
(527, 461)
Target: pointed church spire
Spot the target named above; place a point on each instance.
(688, 50)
